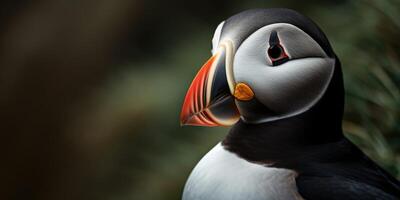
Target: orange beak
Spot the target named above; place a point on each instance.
(208, 101)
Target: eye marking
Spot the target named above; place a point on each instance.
(276, 52)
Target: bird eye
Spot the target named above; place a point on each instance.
(277, 54)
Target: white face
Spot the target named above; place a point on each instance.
(288, 86)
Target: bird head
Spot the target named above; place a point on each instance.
(266, 65)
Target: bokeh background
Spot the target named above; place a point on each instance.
(91, 90)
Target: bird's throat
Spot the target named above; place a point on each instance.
(284, 140)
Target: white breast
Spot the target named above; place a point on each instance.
(223, 175)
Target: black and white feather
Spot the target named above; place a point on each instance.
(289, 142)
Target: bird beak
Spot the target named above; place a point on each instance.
(209, 100)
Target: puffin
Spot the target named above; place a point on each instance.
(275, 80)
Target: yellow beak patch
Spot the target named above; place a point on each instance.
(243, 92)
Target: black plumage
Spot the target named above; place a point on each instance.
(312, 143)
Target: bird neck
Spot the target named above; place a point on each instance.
(281, 140)
(289, 138)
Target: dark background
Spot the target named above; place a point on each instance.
(91, 90)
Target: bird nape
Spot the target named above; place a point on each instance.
(275, 79)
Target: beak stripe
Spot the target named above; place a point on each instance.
(196, 99)
(204, 118)
(194, 102)
(202, 105)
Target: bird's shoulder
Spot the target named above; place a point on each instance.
(349, 175)
(335, 188)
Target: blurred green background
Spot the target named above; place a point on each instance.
(91, 91)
